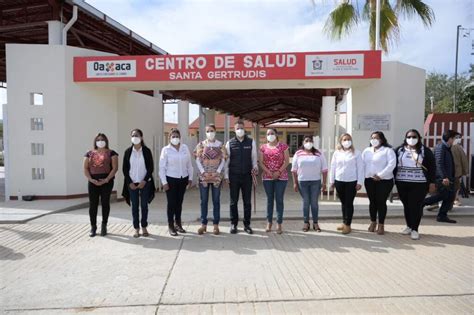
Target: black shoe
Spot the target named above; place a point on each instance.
(179, 228)
(445, 220)
(103, 230)
(93, 231)
(172, 231)
(248, 229)
(233, 229)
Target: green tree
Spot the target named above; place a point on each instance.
(347, 14)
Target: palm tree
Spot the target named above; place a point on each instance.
(347, 14)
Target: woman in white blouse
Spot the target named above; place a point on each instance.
(347, 176)
(176, 175)
(379, 162)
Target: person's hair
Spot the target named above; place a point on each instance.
(339, 145)
(239, 122)
(101, 135)
(418, 144)
(449, 134)
(383, 140)
(275, 131)
(211, 126)
(141, 134)
(458, 134)
(313, 149)
(175, 131)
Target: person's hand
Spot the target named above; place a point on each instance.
(276, 175)
(95, 182)
(358, 187)
(323, 187)
(132, 186)
(331, 188)
(295, 187)
(376, 178)
(226, 182)
(446, 182)
(141, 185)
(166, 187)
(190, 184)
(255, 171)
(432, 188)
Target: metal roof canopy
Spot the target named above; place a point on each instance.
(24, 22)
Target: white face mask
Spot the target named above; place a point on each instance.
(308, 145)
(412, 141)
(211, 135)
(457, 141)
(346, 144)
(100, 144)
(174, 141)
(374, 142)
(240, 133)
(136, 140)
(271, 138)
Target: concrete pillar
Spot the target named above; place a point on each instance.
(160, 124)
(55, 32)
(257, 136)
(327, 124)
(226, 128)
(183, 120)
(202, 123)
(210, 116)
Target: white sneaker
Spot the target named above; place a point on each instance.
(406, 231)
(414, 235)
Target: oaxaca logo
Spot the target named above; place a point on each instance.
(317, 64)
(111, 68)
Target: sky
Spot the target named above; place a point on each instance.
(248, 26)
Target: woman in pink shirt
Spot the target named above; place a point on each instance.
(274, 159)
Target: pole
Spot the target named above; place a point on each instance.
(377, 25)
(456, 69)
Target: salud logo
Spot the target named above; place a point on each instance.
(111, 68)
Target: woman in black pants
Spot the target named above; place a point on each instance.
(414, 176)
(176, 175)
(100, 167)
(139, 186)
(379, 162)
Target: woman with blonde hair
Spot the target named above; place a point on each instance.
(347, 176)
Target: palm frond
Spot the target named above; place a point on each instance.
(341, 20)
(413, 8)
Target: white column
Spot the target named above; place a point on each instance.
(160, 124)
(226, 128)
(202, 123)
(210, 116)
(257, 136)
(183, 120)
(326, 123)
(55, 32)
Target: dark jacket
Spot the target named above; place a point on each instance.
(240, 160)
(148, 157)
(444, 162)
(429, 163)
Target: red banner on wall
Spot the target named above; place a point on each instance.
(265, 66)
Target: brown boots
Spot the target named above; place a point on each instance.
(203, 229)
(380, 229)
(346, 229)
(372, 226)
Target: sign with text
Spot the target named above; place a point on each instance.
(373, 122)
(226, 67)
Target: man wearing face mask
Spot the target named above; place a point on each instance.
(444, 177)
(461, 165)
(241, 163)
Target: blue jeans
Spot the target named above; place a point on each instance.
(310, 191)
(275, 190)
(216, 202)
(140, 197)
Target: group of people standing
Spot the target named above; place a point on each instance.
(412, 167)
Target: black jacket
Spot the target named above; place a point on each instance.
(444, 162)
(429, 163)
(148, 157)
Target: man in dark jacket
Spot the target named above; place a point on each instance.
(444, 177)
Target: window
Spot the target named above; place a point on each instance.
(37, 173)
(37, 149)
(37, 124)
(36, 99)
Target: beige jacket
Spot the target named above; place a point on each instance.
(461, 164)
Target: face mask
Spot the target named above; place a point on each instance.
(271, 138)
(346, 144)
(100, 144)
(240, 133)
(374, 142)
(457, 141)
(211, 135)
(175, 141)
(136, 140)
(308, 145)
(412, 141)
